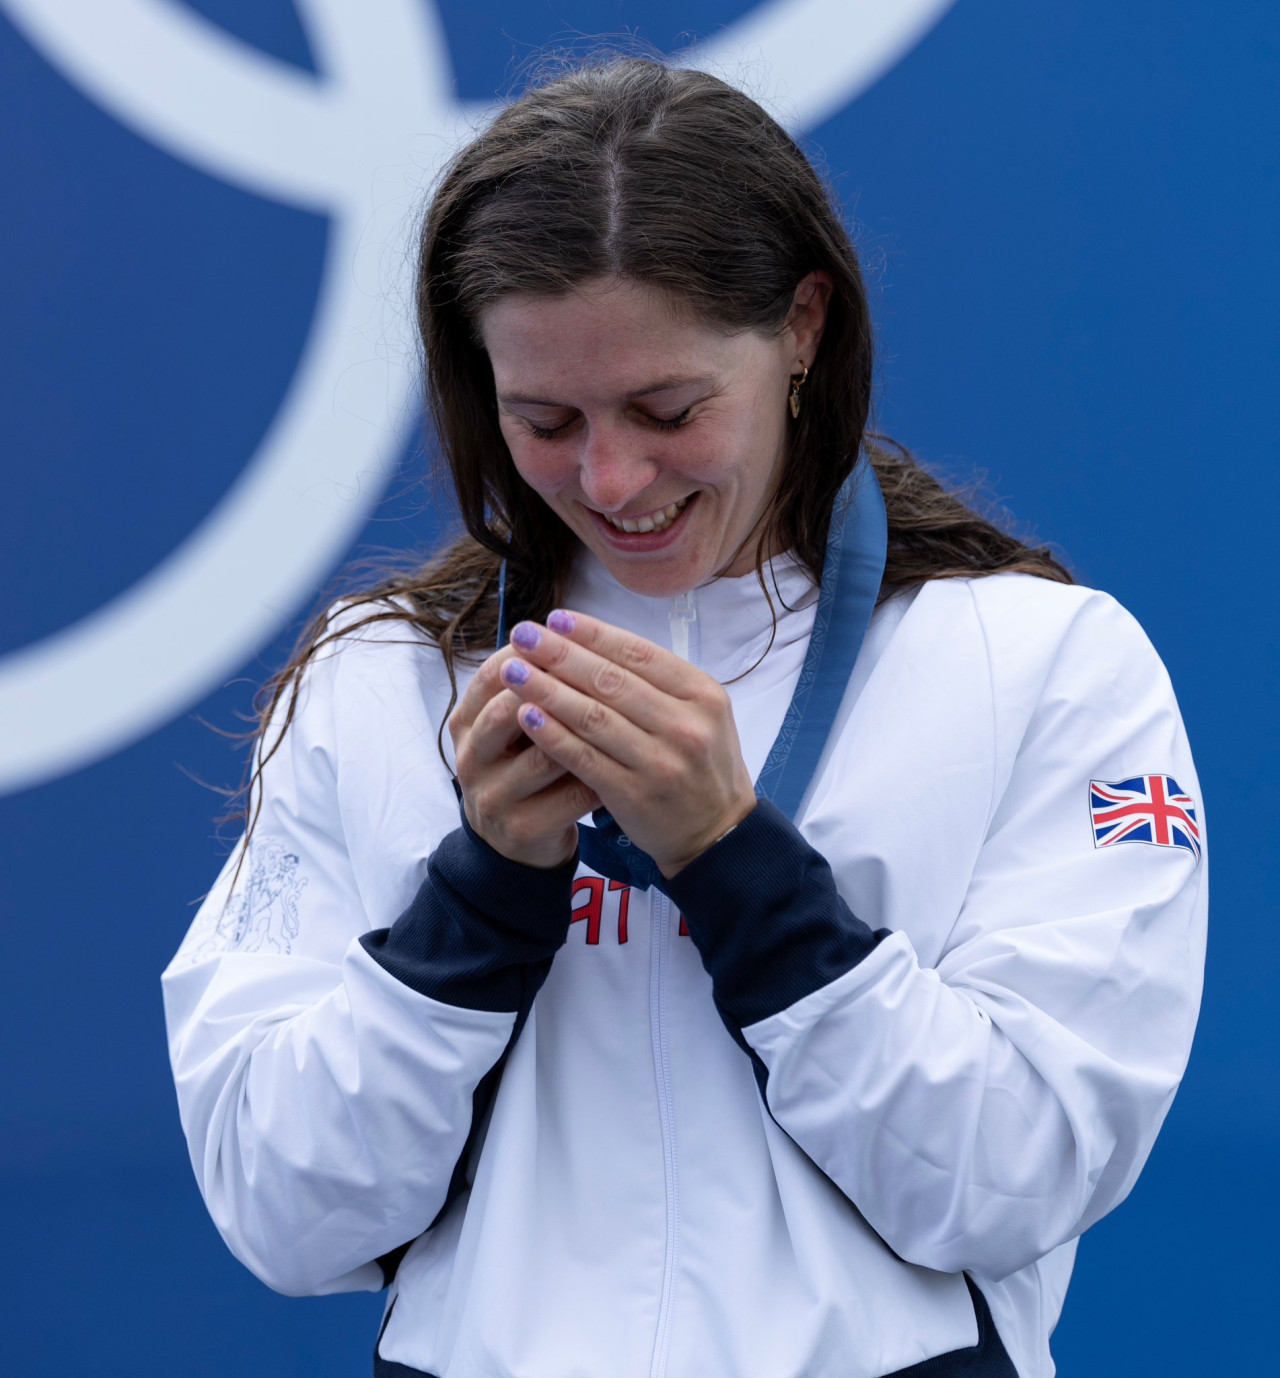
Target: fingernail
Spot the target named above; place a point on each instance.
(526, 635)
(515, 672)
(532, 717)
(561, 621)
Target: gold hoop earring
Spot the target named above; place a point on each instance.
(796, 384)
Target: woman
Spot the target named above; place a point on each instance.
(816, 1053)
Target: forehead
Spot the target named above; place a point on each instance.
(612, 334)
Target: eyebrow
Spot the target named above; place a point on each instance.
(668, 384)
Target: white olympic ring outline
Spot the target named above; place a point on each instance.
(357, 144)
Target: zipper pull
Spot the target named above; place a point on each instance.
(682, 616)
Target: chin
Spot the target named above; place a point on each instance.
(656, 580)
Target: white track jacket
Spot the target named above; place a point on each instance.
(762, 1125)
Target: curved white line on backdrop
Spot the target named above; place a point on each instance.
(160, 68)
(357, 143)
(808, 73)
(226, 107)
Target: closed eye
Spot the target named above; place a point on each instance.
(548, 432)
(671, 423)
(662, 423)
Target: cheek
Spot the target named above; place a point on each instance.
(741, 453)
(714, 449)
(542, 467)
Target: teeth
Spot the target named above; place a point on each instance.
(655, 521)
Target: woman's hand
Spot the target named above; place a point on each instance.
(517, 798)
(651, 735)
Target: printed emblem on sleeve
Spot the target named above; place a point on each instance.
(1148, 808)
(261, 914)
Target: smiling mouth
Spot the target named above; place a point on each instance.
(651, 521)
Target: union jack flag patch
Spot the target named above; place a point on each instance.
(1148, 808)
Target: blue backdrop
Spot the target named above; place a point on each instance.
(1069, 213)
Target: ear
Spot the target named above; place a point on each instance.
(808, 317)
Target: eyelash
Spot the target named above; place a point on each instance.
(663, 423)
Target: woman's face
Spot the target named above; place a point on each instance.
(623, 411)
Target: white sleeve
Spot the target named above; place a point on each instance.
(326, 1084)
(983, 1112)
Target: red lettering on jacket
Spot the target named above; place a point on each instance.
(624, 899)
(591, 909)
(593, 888)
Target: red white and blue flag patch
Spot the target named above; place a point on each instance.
(1148, 808)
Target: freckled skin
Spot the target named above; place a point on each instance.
(584, 365)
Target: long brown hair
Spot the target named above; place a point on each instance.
(630, 169)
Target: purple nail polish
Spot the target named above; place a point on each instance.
(515, 672)
(526, 635)
(532, 717)
(561, 621)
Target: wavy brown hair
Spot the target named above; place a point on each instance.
(630, 169)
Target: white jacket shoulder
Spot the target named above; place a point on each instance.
(1073, 674)
(1032, 625)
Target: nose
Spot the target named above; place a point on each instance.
(614, 467)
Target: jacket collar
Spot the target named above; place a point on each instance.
(733, 615)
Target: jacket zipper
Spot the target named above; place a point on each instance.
(683, 621)
(683, 618)
(659, 951)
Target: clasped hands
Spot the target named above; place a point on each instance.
(577, 714)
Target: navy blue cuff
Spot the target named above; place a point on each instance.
(762, 907)
(481, 930)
